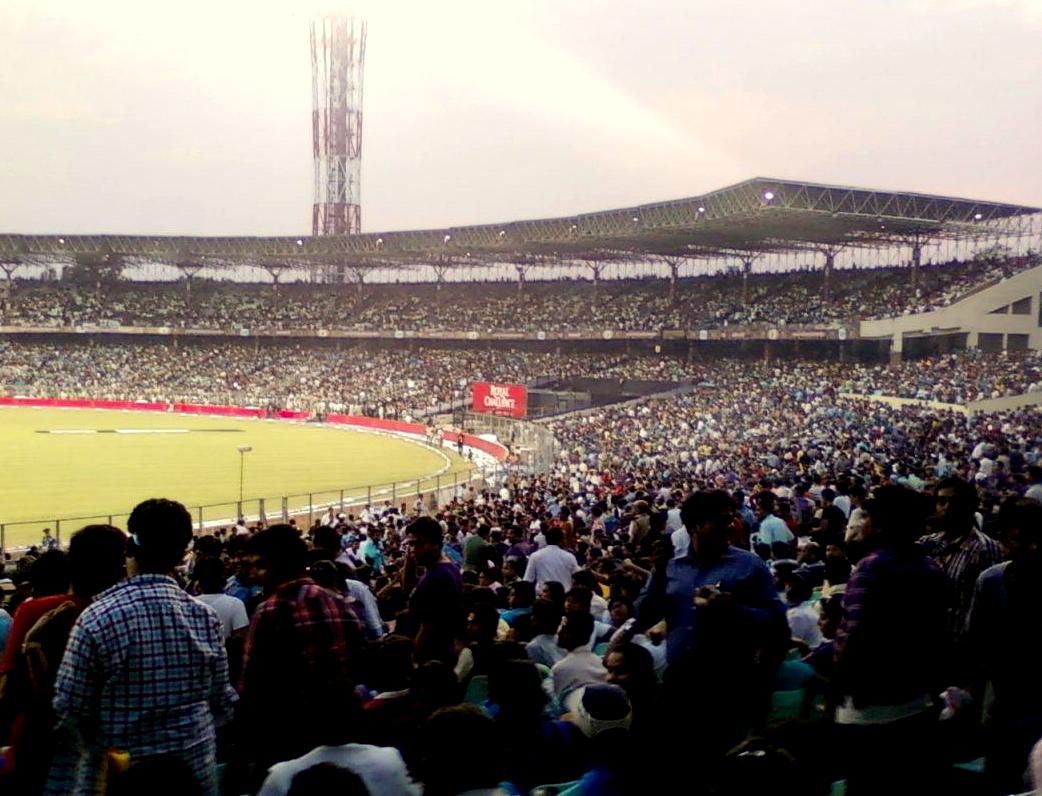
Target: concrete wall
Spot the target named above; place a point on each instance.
(972, 314)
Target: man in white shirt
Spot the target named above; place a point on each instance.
(580, 666)
(209, 575)
(552, 563)
(381, 768)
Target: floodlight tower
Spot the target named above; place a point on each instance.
(337, 62)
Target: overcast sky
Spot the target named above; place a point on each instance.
(195, 117)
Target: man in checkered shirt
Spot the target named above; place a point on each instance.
(145, 670)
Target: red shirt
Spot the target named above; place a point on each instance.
(27, 615)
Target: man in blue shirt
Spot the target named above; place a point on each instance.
(371, 549)
(725, 624)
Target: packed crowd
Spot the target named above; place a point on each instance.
(383, 383)
(644, 304)
(407, 383)
(779, 629)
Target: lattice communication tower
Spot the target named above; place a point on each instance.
(337, 65)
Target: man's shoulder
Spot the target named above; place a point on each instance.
(993, 575)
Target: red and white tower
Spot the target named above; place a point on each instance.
(337, 64)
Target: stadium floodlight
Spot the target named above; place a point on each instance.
(502, 233)
(379, 241)
(701, 209)
(300, 242)
(447, 238)
(61, 241)
(243, 450)
(768, 196)
(636, 219)
(573, 227)
(979, 216)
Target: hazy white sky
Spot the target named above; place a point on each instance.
(194, 117)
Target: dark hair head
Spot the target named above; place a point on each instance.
(97, 558)
(585, 579)
(546, 616)
(327, 541)
(325, 778)
(209, 574)
(554, 535)
(326, 575)
(699, 507)
(524, 593)
(283, 551)
(556, 591)
(837, 569)
(50, 574)
(577, 630)
(160, 531)
(897, 513)
(516, 687)
(207, 546)
(581, 596)
(965, 493)
(440, 769)
(426, 529)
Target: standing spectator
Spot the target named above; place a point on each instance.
(371, 549)
(48, 542)
(145, 669)
(1005, 626)
(302, 647)
(435, 616)
(209, 576)
(724, 618)
(552, 563)
(772, 528)
(579, 666)
(38, 639)
(889, 654)
(963, 553)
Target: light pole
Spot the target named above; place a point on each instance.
(243, 450)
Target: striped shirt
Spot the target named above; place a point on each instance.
(145, 672)
(962, 560)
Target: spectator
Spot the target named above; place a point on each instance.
(302, 650)
(579, 666)
(435, 599)
(139, 633)
(552, 563)
(209, 576)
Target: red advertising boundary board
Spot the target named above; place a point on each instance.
(375, 423)
(499, 399)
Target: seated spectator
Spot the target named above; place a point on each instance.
(580, 666)
(442, 769)
(520, 598)
(546, 620)
(536, 748)
(802, 612)
(603, 713)
(336, 726)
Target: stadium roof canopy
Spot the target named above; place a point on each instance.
(761, 215)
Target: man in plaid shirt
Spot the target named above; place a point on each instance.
(145, 671)
(302, 646)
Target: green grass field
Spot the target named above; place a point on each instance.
(62, 463)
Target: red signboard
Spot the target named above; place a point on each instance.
(500, 399)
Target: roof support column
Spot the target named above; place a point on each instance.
(747, 268)
(830, 261)
(674, 273)
(896, 349)
(917, 257)
(439, 274)
(9, 269)
(276, 274)
(521, 269)
(189, 270)
(359, 275)
(595, 270)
